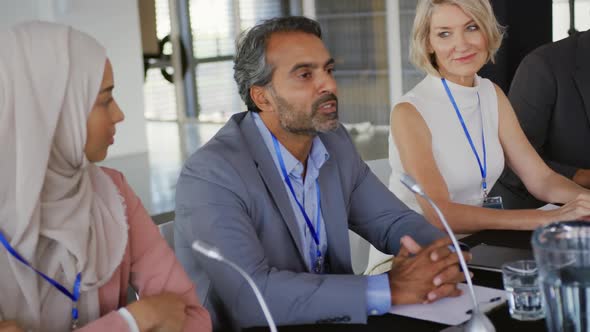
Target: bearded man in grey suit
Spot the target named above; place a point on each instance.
(277, 189)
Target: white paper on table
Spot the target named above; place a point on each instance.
(453, 310)
(548, 207)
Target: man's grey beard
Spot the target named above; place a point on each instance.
(286, 118)
(314, 130)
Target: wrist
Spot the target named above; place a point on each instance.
(393, 290)
(549, 217)
(145, 318)
(394, 298)
(129, 319)
(582, 177)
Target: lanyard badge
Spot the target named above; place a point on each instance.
(74, 295)
(318, 264)
(489, 202)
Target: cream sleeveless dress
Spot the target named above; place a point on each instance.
(453, 155)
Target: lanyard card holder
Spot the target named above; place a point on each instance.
(493, 203)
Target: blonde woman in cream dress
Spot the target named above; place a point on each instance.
(451, 41)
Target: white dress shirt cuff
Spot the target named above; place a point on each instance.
(128, 317)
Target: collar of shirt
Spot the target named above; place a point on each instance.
(317, 156)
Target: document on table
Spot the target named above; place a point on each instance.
(453, 310)
(548, 207)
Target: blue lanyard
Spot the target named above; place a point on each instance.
(74, 296)
(483, 169)
(312, 230)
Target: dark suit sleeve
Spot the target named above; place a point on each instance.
(213, 205)
(532, 94)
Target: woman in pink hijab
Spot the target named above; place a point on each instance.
(73, 235)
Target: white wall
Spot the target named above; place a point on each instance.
(115, 24)
(13, 11)
(561, 17)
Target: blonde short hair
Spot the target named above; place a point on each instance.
(481, 12)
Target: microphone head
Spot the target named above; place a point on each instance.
(207, 250)
(411, 184)
(479, 322)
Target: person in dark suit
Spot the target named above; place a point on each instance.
(550, 94)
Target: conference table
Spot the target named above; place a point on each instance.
(499, 316)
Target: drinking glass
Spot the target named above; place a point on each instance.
(562, 252)
(525, 301)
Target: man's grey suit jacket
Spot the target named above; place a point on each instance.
(550, 95)
(231, 195)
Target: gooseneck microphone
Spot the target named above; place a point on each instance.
(213, 253)
(478, 321)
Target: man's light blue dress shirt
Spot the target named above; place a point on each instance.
(378, 293)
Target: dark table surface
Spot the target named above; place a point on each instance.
(499, 316)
